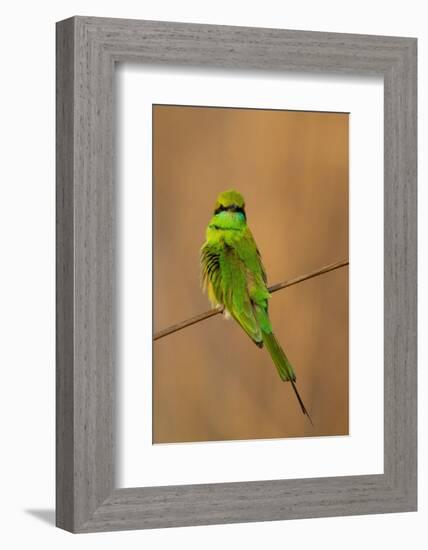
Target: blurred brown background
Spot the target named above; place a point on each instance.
(210, 382)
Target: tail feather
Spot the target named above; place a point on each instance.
(285, 370)
(283, 365)
(304, 410)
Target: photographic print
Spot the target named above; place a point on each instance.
(250, 210)
(171, 409)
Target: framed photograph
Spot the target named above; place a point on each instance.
(236, 274)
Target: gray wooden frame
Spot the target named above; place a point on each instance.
(87, 50)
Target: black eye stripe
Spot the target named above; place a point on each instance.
(230, 208)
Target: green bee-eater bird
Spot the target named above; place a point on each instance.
(234, 277)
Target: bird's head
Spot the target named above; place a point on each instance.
(230, 201)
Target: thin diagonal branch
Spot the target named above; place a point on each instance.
(274, 288)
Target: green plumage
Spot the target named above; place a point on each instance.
(234, 276)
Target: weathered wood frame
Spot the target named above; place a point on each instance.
(87, 50)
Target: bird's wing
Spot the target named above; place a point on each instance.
(234, 276)
(235, 280)
(262, 267)
(211, 275)
(247, 250)
(258, 292)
